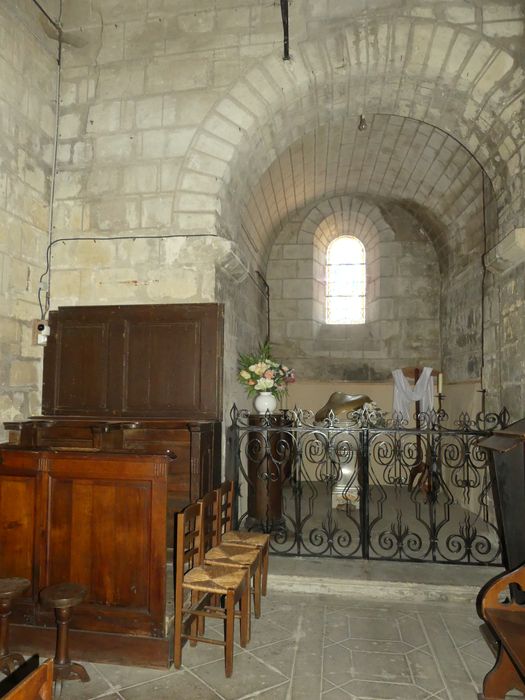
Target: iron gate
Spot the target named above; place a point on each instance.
(368, 487)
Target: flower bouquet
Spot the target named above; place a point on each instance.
(261, 374)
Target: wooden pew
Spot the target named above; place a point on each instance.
(501, 603)
(37, 684)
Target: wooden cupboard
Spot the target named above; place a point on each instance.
(88, 491)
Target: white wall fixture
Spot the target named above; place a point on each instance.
(508, 253)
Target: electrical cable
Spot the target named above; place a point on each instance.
(483, 279)
(267, 295)
(265, 292)
(56, 25)
(45, 308)
(286, 40)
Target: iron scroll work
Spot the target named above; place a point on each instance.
(369, 486)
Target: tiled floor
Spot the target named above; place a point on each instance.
(322, 647)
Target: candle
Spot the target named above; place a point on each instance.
(440, 383)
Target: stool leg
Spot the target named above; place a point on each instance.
(8, 662)
(64, 669)
(63, 615)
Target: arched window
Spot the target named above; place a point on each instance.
(345, 281)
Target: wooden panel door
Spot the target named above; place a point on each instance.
(17, 525)
(138, 360)
(150, 381)
(21, 489)
(83, 362)
(106, 530)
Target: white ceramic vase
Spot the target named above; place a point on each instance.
(265, 401)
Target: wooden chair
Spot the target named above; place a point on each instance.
(225, 499)
(501, 603)
(34, 684)
(196, 583)
(226, 554)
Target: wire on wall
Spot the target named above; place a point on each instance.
(264, 290)
(267, 295)
(55, 24)
(284, 17)
(43, 286)
(483, 279)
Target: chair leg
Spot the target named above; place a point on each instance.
(257, 591)
(195, 625)
(177, 631)
(265, 570)
(228, 634)
(245, 617)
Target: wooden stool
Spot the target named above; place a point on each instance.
(62, 597)
(10, 588)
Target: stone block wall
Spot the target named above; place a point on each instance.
(512, 336)
(403, 284)
(170, 114)
(181, 119)
(28, 81)
(504, 323)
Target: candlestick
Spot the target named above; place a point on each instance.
(440, 383)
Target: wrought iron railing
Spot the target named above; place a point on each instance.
(369, 486)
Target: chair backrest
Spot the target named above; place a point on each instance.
(188, 551)
(210, 523)
(225, 495)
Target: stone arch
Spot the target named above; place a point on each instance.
(339, 216)
(396, 159)
(363, 219)
(296, 273)
(434, 72)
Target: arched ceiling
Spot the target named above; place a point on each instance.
(393, 159)
(282, 119)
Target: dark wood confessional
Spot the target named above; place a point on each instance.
(130, 434)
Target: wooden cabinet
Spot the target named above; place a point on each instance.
(141, 360)
(132, 398)
(98, 520)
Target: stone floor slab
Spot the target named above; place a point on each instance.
(97, 685)
(249, 675)
(321, 648)
(181, 684)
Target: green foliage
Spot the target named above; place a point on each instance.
(260, 372)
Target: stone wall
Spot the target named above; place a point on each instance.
(181, 119)
(403, 283)
(28, 79)
(415, 63)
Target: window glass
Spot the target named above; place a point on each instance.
(345, 281)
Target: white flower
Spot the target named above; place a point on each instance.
(244, 374)
(264, 384)
(260, 368)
